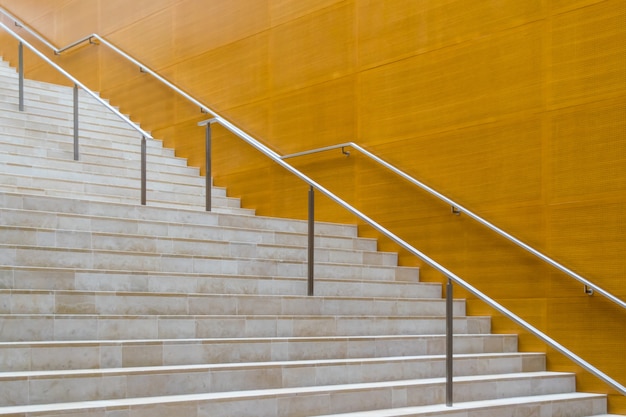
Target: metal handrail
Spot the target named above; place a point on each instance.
(280, 160)
(460, 209)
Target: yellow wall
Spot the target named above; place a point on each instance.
(516, 109)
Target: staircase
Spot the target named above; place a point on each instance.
(110, 308)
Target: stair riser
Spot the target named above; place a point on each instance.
(22, 390)
(42, 328)
(37, 98)
(86, 127)
(124, 176)
(28, 142)
(64, 149)
(93, 355)
(111, 193)
(318, 401)
(41, 302)
(98, 160)
(199, 264)
(87, 142)
(91, 114)
(573, 405)
(47, 220)
(67, 279)
(64, 205)
(126, 179)
(221, 247)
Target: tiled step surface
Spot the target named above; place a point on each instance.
(127, 170)
(121, 303)
(569, 404)
(65, 355)
(318, 400)
(87, 385)
(58, 327)
(139, 261)
(77, 240)
(92, 280)
(187, 216)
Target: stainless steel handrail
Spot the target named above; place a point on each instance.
(460, 209)
(265, 150)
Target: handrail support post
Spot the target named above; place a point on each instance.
(75, 122)
(208, 166)
(143, 170)
(20, 65)
(311, 243)
(449, 343)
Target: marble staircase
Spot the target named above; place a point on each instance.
(113, 309)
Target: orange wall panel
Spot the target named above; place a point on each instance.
(312, 49)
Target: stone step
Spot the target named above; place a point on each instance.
(133, 303)
(182, 216)
(119, 259)
(127, 175)
(308, 401)
(86, 127)
(72, 171)
(109, 198)
(567, 404)
(92, 159)
(46, 387)
(58, 105)
(145, 242)
(103, 166)
(41, 327)
(19, 277)
(60, 145)
(58, 139)
(40, 93)
(65, 355)
(95, 113)
(159, 229)
(103, 192)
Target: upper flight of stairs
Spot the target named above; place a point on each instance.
(110, 309)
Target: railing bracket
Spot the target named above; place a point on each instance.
(455, 211)
(343, 151)
(588, 290)
(143, 71)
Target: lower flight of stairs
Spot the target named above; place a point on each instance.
(110, 308)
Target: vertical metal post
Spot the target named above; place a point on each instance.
(75, 122)
(143, 171)
(449, 342)
(20, 67)
(208, 169)
(311, 243)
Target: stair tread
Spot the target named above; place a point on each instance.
(191, 216)
(282, 392)
(468, 406)
(269, 364)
